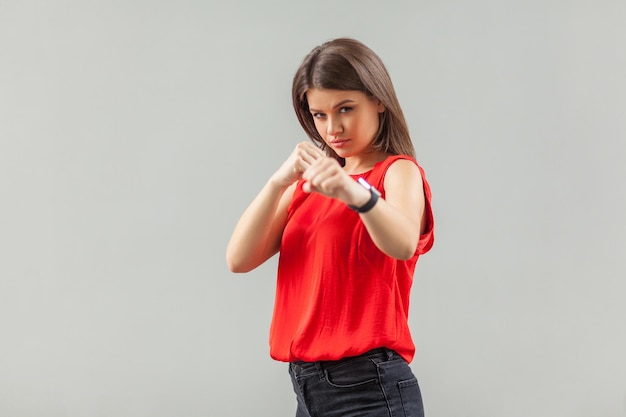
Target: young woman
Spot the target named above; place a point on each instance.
(350, 214)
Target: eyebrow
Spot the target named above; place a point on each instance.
(341, 103)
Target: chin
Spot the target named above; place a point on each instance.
(343, 155)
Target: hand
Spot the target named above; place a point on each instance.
(302, 157)
(327, 177)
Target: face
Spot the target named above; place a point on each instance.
(347, 120)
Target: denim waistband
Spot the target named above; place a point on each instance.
(301, 367)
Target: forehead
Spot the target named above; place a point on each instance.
(320, 98)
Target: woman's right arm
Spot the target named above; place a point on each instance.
(258, 233)
(257, 236)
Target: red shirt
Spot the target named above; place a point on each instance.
(337, 294)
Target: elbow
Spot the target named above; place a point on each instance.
(399, 254)
(241, 261)
(405, 255)
(402, 252)
(237, 268)
(408, 248)
(236, 265)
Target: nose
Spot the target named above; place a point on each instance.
(334, 126)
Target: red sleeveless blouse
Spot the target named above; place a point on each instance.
(337, 294)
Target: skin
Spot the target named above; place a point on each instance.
(347, 121)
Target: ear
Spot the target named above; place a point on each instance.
(381, 107)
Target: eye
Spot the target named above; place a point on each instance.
(345, 109)
(318, 115)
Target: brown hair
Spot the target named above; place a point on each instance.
(347, 64)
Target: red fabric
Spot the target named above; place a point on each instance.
(337, 294)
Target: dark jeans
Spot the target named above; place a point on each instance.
(378, 383)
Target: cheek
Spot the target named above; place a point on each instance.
(320, 127)
(376, 121)
(370, 126)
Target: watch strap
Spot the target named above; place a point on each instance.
(374, 195)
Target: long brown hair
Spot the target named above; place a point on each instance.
(347, 64)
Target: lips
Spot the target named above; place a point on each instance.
(339, 142)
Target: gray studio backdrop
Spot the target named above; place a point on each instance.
(134, 133)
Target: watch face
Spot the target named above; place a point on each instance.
(364, 183)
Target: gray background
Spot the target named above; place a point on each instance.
(133, 134)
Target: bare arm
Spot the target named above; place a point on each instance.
(394, 223)
(258, 233)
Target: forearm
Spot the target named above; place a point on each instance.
(391, 230)
(256, 236)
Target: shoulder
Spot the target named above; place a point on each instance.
(403, 161)
(402, 170)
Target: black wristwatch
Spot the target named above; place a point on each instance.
(374, 194)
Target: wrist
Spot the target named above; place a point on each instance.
(366, 204)
(361, 198)
(277, 183)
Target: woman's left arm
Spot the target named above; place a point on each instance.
(396, 222)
